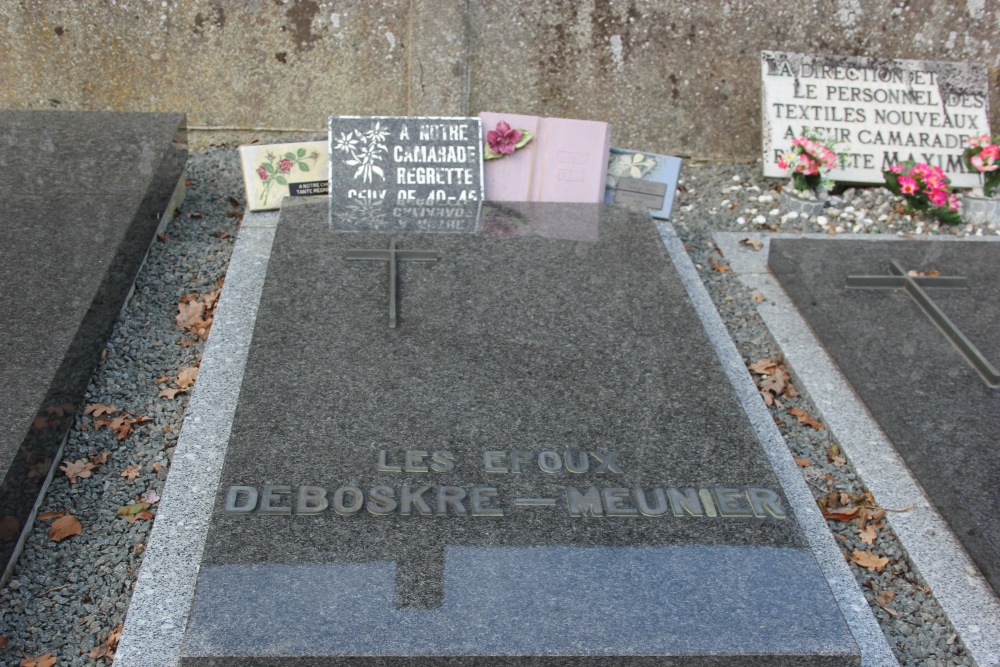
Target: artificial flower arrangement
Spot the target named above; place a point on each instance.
(504, 140)
(809, 164)
(924, 188)
(983, 156)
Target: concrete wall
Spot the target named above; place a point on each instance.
(674, 76)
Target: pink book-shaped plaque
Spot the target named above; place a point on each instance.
(565, 162)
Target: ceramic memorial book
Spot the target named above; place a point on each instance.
(643, 180)
(272, 172)
(565, 160)
(412, 173)
(876, 112)
(496, 447)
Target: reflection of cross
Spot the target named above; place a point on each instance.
(392, 255)
(914, 287)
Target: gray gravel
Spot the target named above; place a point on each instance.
(66, 598)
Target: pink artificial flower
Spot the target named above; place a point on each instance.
(907, 185)
(262, 172)
(934, 182)
(285, 166)
(982, 165)
(953, 202)
(935, 171)
(938, 197)
(990, 153)
(502, 139)
(896, 169)
(801, 141)
(919, 170)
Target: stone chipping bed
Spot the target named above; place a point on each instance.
(68, 598)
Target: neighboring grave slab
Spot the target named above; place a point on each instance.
(566, 161)
(642, 180)
(403, 173)
(934, 403)
(881, 111)
(522, 470)
(272, 172)
(82, 196)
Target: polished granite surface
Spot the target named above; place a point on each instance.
(544, 460)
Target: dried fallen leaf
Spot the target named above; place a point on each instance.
(170, 392)
(98, 409)
(752, 243)
(803, 463)
(718, 267)
(99, 459)
(757, 297)
(775, 384)
(843, 514)
(45, 660)
(157, 466)
(885, 600)
(868, 560)
(45, 516)
(134, 508)
(64, 527)
(163, 379)
(131, 472)
(868, 534)
(763, 366)
(187, 377)
(10, 528)
(77, 469)
(805, 418)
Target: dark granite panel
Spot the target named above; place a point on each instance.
(69, 257)
(515, 342)
(937, 411)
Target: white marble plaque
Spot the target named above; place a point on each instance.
(877, 111)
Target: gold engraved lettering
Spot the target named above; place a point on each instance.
(442, 461)
(765, 502)
(732, 502)
(614, 502)
(414, 499)
(706, 500)
(584, 504)
(450, 498)
(383, 464)
(659, 509)
(684, 502)
(241, 499)
(270, 495)
(550, 462)
(348, 500)
(495, 461)
(482, 501)
(311, 500)
(576, 461)
(414, 460)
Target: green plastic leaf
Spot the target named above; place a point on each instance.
(489, 154)
(525, 138)
(945, 214)
(301, 152)
(290, 155)
(281, 180)
(134, 508)
(303, 166)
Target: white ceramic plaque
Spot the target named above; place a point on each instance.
(877, 111)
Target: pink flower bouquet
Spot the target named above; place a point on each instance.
(809, 162)
(983, 156)
(925, 188)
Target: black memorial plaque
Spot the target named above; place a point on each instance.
(921, 350)
(405, 173)
(543, 463)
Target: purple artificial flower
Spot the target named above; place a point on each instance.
(502, 139)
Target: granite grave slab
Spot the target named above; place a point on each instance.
(81, 198)
(928, 379)
(543, 461)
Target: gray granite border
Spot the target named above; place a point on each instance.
(966, 598)
(875, 650)
(154, 626)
